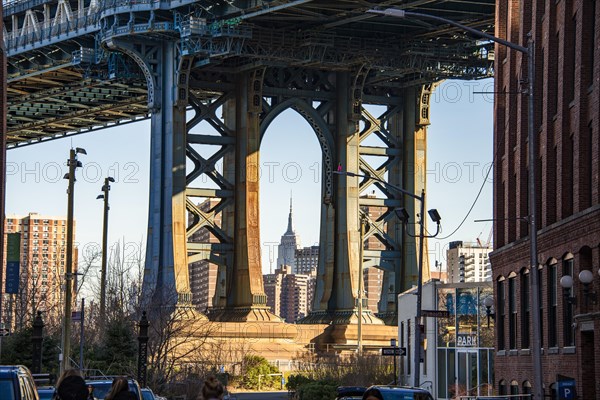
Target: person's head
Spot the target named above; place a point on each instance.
(71, 386)
(66, 373)
(119, 384)
(372, 394)
(212, 389)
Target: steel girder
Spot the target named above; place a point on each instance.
(332, 103)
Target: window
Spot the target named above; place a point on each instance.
(568, 334)
(571, 50)
(525, 307)
(502, 389)
(514, 388)
(500, 314)
(552, 306)
(512, 309)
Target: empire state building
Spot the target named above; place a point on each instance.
(286, 251)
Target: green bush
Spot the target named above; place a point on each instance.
(319, 390)
(254, 367)
(295, 381)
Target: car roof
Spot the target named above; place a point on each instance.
(8, 370)
(351, 390)
(388, 389)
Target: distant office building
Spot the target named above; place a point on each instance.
(273, 285)
(40, 244)
(286, 251)
(289, 295)
(203, 274)
(307, 260)
(468, 262)
(294, 297)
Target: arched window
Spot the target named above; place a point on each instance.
(552, 306)
(502, 389)
(512, 311)
(500, 313)
(553, 391)
(514, 388)
(568, 306)
(526, 390)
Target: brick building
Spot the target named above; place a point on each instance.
(567, 115)
(42, 246)
(289, 295)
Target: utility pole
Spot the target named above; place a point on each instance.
(72, 163)
(105, 190)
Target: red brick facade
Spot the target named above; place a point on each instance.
(567, 114)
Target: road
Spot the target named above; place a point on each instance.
(260, 396)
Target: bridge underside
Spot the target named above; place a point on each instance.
(236, 67)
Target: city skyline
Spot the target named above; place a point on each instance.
(290, 162)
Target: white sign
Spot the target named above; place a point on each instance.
(466, 340)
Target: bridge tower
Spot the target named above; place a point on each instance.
(80, 65)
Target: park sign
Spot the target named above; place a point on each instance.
(393, 351)
(13, 260)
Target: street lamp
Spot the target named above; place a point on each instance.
(538, 389)
(72, 163)
(105, 189)
(403, 216)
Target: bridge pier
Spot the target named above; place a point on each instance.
(245, 117)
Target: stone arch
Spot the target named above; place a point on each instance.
(321, 130)
(551, 261)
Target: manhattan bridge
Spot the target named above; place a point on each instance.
(76, 66)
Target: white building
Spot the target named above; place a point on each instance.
(468, 262)
(457, 344)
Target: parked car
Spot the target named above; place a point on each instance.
(16, 383)
(350, 392)
(401, 393)
(46, 392)
(101, 386)
(147, 394)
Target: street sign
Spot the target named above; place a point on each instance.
(435, 313)
(393, 351)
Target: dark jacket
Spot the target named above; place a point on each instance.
(72, 388)
(125, 395)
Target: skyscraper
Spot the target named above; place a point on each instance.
(286, 251)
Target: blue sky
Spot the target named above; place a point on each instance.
(459, 152)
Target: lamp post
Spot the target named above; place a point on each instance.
(143, 349)
(403, 216)
(105, 189)
(37, 338)
(363, 222)
(529, 51)
(72, 163)
(393, 344)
